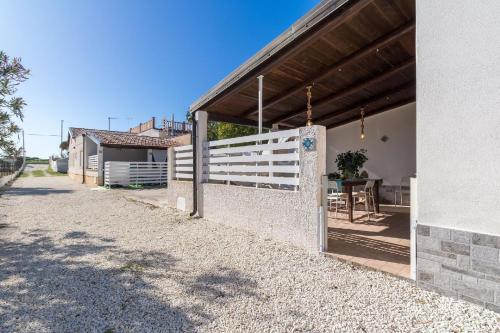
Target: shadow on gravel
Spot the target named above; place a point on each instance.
(46, 285)
(219, 286)
(20, 191)
(49, 284)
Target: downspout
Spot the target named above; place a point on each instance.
(195, 179)
(83, 160)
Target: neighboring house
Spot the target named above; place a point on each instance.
(435, 115)
(89, 149)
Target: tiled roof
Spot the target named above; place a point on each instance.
(123, 139)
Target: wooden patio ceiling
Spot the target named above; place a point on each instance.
(356, 54)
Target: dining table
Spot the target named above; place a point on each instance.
(347, 186)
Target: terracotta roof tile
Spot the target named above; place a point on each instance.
(123, 139)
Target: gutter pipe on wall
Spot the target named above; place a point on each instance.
(195, 178)
(83, 160)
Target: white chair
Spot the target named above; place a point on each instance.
(404, 189)
(367, 195)
(335, 197)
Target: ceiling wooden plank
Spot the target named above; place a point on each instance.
(349, 90)
(372, 47)
(366, 103)
(374, 112)
(213, 116)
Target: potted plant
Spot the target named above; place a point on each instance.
(350, 162)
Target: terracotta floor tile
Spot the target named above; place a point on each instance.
(381, 242)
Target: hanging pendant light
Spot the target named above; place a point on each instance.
(309, 107)
(362, 124)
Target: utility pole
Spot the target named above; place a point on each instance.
(24, 150)
(62, 125)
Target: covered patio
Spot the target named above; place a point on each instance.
(348, 66)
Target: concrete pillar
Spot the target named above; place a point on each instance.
(170, 165)
(150, 155)
(199, 140)
(312, 168)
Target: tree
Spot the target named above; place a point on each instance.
(220, 130)
(12, 73)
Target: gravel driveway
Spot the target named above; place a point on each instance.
(74, 259)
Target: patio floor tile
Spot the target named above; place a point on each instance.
(382, 243)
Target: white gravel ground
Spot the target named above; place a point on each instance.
(77, 260)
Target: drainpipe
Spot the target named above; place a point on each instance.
(195, 180)
(83, 160)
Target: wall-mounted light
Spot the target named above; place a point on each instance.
(362, 124)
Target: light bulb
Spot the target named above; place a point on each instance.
(362, 136)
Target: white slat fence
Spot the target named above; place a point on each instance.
(135, 173)
(92, 163)
(183, 162)
(266, 160)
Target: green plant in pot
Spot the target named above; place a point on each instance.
(350, 162)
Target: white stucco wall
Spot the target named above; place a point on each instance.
(388, 160)
(458, 114)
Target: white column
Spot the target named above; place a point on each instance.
(261, 96)
(150, 155)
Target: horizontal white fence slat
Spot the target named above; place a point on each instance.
(183, 148)
(181, 175)
(257, 137)
(265, 160)
(252, 148)
(184, 162)
(253, 158)
(254, 168)
(93, 162)
(135, 173)
(184, 168)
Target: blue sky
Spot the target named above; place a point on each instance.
(94, 59)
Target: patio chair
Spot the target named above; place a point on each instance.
(367, 196)
(404, 189)
(335, 197)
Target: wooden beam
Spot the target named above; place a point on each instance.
(366, 103)
(212, 116)
(349, 90)
(268, 60)
(373, 112)
(361, 53)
